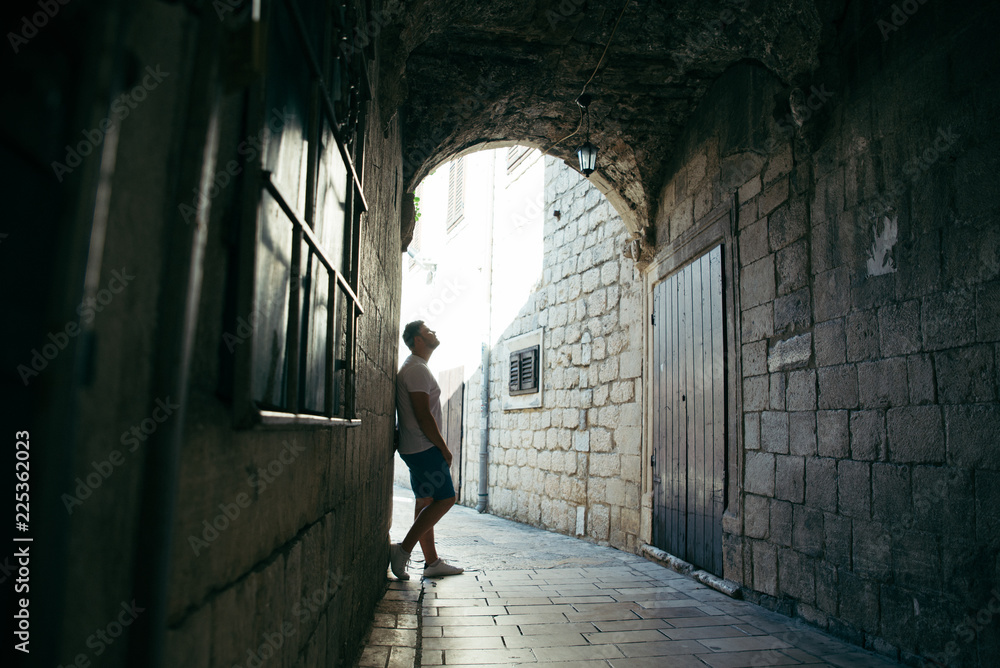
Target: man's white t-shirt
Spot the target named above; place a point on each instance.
(415, 376)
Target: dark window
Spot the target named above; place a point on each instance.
(456, 192)
(524, 371)
(300, 366)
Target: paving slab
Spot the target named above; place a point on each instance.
(530, 597)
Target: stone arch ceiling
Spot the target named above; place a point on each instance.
(478, 72)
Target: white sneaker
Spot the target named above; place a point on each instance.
(441, 568)
(399, 559)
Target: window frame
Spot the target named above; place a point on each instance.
(350, 135)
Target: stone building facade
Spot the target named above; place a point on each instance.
(245, 544)
(863, 490)
(844, 155)
(571, 465)
(861, 265)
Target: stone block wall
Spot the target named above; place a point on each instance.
(573, 465)
(869, 259)
(293, 522)
(307, 557)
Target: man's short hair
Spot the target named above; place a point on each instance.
(410, 331)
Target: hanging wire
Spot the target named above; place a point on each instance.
(594, 74)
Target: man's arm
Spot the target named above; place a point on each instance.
(421, 402)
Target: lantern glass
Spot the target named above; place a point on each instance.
(587, 154)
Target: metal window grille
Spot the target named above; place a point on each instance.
(300, 367)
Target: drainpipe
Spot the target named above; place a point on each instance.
(484, 398)
(484, 439)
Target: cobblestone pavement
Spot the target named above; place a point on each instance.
(529, 596)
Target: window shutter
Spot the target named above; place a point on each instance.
(456, 192)
(529, 369)
(515, 156)
(523, 377)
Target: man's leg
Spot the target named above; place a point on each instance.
(429, 477)
(427, 540)
(425, 521)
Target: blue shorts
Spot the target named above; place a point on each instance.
(429, 474)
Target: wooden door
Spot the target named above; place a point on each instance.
(689, 412)
(452, 384)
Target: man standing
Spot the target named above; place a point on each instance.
(422, 447)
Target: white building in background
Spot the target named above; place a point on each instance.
(522, 253)
(475, 259)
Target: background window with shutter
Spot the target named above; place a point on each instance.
(523, 361)
(516, 156)
(524, 371)
(456, 192)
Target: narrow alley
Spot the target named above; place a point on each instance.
(716, 281)
(534, 597)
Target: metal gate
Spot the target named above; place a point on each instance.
(689, 413)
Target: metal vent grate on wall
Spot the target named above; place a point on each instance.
(523, 377)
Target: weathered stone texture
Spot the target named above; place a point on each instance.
(870, 372)
(876, 440)
(583, 447)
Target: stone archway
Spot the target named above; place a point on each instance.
(480, 75)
